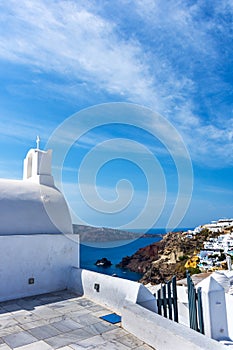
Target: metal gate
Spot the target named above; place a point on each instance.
(195, 306)
(167, 300)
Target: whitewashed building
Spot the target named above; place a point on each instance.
(37, 247)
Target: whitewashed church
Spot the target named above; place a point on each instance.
(37, 247)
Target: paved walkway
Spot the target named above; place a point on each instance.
(61, 321)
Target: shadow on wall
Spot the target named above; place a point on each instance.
(109, 291)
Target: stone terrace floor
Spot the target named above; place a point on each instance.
(63, 321)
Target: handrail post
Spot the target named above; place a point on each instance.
(175, 303)
(169, 295)
(164, 300)
(159, 302)
(200, 311)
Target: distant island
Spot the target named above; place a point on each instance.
(104, 234)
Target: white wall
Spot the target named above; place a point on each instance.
(46, 258)
(229, 309)
(214, 304)
(182, 294)
(113, 291)
(162, 333)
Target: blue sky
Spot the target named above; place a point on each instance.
(173, 57)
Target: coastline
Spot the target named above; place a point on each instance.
(90, 252)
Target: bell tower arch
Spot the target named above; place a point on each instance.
(37, 166)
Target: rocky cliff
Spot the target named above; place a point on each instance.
(161, 260)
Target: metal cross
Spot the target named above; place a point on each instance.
(37, 142)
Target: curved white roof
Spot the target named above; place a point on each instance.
(30, 208)
(33, 205)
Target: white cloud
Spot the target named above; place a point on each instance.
(218, 190)
(11, 169)
(73, 40)
(20, 129)
(65, 38)
(94, 211)
(209, 145)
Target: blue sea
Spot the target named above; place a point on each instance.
(89, 255)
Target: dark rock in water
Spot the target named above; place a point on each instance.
(104, 262)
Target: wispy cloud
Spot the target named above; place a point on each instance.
(164, 62)
(219, 190)
(210, 145)
(11, 169)
(67, 39)
(22, 130)
(110, 206)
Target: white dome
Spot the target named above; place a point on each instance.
(29, 208)
(33, 205)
